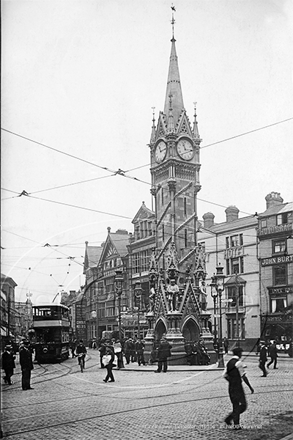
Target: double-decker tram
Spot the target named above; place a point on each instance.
(50, 335)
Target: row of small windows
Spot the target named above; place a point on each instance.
(143, 230)
(115, 262)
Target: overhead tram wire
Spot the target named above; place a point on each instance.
(115, 172)
(123, 173)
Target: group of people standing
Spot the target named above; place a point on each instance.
(25, 361)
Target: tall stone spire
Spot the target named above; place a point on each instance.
(173, 83)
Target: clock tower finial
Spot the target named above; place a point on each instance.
(173, 21)
(173, 83)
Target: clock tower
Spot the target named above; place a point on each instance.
(174, 150)
(177, 299)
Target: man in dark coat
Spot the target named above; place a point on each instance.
(8, 364)
(26, 363)
(139, 348)
(164, 351)
(263, 358)
(273, 353)
(234, 374)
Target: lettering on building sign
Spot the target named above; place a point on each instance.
(275, 229)
(234, 252)
(277, 260)
(280, 290)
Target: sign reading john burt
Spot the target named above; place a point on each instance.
(277, 260)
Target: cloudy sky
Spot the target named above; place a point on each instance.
(79, 80)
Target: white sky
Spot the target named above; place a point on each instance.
(81, 76)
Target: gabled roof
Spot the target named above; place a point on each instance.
(143, 213)
(116, 244)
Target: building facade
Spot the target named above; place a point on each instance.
(7, 308)
(275, 235)
(233, 245)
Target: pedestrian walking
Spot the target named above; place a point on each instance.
(139, 348)
(26, 363)
(102, 350)
(8, 363)
(273, 353)
(226, 345)
(234, 374)
(108, 360)
(164, 351)
(118, 353)
(263, 358)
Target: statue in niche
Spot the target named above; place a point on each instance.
(152, 296)
(173, 295)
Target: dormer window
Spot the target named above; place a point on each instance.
(282, 219)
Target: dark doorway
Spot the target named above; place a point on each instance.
(191, 331)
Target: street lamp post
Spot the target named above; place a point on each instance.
(214, 294)
(138, 292)
(119, 288)
(217, 288)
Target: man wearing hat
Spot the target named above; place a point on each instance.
(8, 364)
(263, 358)
(234, 374)
(26, 363)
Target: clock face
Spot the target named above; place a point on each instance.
(185, 149)
(161, 150)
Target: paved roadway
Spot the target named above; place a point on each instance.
(184, 403)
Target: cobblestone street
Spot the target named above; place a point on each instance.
(185, 403)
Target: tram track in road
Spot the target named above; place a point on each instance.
(77, 420)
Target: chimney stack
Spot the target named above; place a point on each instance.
(208, 220)
(273, 199)
(231, 213)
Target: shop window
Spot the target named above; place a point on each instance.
(278, 304)
(279, 275)
(279, 246)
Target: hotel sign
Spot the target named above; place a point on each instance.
(274, 229)
(234, 252)
(277, 260)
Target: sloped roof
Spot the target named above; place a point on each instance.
(92, 256)
(240, 223)
(120, 241)
(277, 209)
(233, 280)
(94, 253)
